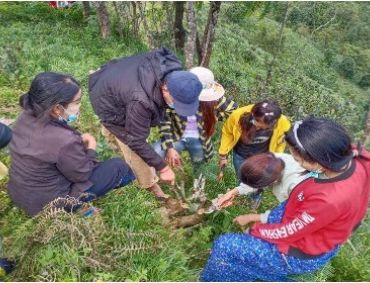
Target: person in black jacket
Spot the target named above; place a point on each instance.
(130, 95)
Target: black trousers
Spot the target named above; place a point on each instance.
(108, 175)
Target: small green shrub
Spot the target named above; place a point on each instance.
(347, 67)
(365, 81)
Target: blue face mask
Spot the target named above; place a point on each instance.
(71, 117)
(313, 174)
(171, 105)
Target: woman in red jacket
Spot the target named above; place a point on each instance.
(306, 231)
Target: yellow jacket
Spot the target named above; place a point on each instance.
(231, 132)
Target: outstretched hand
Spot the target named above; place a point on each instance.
(243, 220)
(227, 199)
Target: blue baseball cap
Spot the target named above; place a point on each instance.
(184, 87)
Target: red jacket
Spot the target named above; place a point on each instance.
(321, 214)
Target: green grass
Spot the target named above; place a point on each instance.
(128, 242)
(303, 83)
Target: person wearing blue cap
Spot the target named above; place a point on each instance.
(130, 95)
(194, 133)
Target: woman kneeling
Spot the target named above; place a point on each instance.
(306, 231)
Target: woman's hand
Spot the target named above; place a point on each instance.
(222, 163)
(226, 199)
(89, 141)
(243, 220)
(167, 175)
(173, 158)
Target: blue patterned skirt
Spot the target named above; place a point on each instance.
(242, 257)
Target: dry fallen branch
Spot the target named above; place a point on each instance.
(186, 211)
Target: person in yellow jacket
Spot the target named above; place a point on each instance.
(253, 129)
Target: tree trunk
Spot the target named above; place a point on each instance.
(119, 18)
(209, 33)
(168, 7)
(278, 50)
(178, 26)
(86, 9)
(367, 128)
(147, 31)
(198, 47)
(135, 19)
(103, 18)
(192, 35)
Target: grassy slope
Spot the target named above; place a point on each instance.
(29, 46)
(302, 82)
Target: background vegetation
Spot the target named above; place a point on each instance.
(311, 57)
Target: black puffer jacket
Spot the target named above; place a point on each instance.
(125, 94)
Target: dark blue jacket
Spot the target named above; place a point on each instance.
(125, 94)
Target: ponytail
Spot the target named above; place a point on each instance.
(248, 129)
(24, 101)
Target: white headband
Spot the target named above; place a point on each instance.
(295, 129)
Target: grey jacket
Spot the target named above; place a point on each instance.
(125, 94)
(49, 160)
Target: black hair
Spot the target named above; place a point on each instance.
(266, 111)
(47, 90)
(323, 141)
(261, 170)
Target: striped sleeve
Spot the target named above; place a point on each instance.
(166, 131)
(225, 107)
